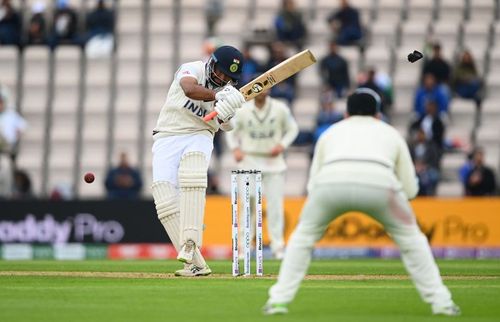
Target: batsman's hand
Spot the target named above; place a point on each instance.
(231, 95)
(225, 111)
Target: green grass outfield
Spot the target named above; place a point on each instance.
(339, 290)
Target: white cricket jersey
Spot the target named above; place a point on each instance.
(181, 115)
(364, 150)
(256, 131)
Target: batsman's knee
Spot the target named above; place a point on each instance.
(193, 171)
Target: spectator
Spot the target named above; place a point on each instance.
(10, 24)
(251, 67)
(430, 91)
(99, 39)
(481, 179)
(345, 25)
(327, 115)
(371, 83)
(62, 191)
(100, 21)
(64, 29)
(290, 27)
(37, 33)
(466, 168)
(123, 182)
(334, 71)
(285, 89)
(466, 81)
(214, 10)
(427, 157)
(11, 127)
(431, 124)
(22, 186)
(438, 67)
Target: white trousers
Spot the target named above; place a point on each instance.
(327, 202)
(6, 179)
(168, 151)
(273, 185)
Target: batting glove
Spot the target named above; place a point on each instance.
(225, 111)
(231, 95)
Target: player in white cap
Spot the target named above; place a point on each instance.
(183, 144)
(362, 164)
(263, 129)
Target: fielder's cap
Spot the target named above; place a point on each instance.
(229, 60)
(364, 101)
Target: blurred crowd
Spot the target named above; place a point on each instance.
(60, 24)
(440, 82)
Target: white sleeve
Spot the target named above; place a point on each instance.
(291, 129)
(405, 170)
(232, 138)
(316, 163)
(227, 126)
(189, 70)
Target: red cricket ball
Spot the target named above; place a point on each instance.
(89, 177)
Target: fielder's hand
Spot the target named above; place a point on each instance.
(238, 154)
(225, 111)
(231, 95)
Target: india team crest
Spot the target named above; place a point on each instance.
(233, 68)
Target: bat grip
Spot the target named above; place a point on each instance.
(210, 116)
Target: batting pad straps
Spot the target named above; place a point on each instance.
(193, 171)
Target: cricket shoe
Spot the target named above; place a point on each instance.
(279, 254)
(449, 310)
(191, 270)
(274, 309)
(186, 253)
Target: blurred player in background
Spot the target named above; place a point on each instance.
(12, 126)
(263, 129)
(183, 144)
(362, 164)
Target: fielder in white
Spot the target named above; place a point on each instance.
(263, 129)
(362, 164)
(182, 148)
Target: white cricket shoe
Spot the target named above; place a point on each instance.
(279, 254)
(191, 270)
(449, 310)
(186, 253)
(274, 309)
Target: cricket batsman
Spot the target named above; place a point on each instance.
(362, 164)
(263, 129)
(183, 144)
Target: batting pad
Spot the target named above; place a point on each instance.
(167, 207)
(193, 184)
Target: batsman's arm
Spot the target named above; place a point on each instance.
(195, 91)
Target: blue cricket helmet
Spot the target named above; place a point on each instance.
(229, 60)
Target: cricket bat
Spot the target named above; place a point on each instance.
(275, 75)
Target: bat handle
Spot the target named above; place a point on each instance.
(210, 116)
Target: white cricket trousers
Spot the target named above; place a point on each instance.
(168, 152)
(273, 185)
(328, 201)
(6, 180)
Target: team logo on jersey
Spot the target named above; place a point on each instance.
(233, 67)
(195, 109)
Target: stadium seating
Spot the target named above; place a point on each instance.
(116, 115)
